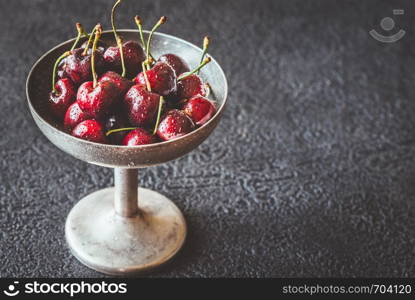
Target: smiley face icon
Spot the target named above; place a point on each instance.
(387, 24)
(12, 291)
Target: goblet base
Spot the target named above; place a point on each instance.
(116, 245)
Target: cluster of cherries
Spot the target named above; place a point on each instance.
(97, 101)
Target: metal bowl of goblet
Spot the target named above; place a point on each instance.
(124, 229)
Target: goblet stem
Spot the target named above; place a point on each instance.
(126, 185)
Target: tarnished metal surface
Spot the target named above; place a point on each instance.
(38, 87)
(111, 244)
(125, 194)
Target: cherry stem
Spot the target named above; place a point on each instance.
(98, 33)
(120, 129)
(119, 43)
(89, 41)
(161, 101)
(81, 32)
(145, 76)
(204, 63)
(55, 68)
(140, 30)
(206, 42)
(117, 38)
(162, 20)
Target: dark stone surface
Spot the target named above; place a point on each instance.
(311, 172)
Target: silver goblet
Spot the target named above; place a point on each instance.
(124, 229)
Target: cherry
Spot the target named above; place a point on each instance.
(77, 66)
(138, 137)
(199, 109)
(127, 57)
(62, 60)
(174, 124)
(96, 98)
(176, 62)
(190, 86)
(141, 105)
(115, 121)
(74, 115)
(63, 91)
(122, 84)
(161, 78)
(90, 130)
(133, 55)
(77, 63)
(62, 96)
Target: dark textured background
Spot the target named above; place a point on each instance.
(310, 173)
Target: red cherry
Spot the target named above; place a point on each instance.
(190, 86)
(74, 115)
(61, 62)
(90, 130)
(199, 109)
(176, 62)
(174, 124)
(77, 66)
(122, 84)
(138, 137)
(162, 79)
(141, 106)
(96, 101)
(124, 58)
(133, 57)
(62, 97)
(96, 98)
